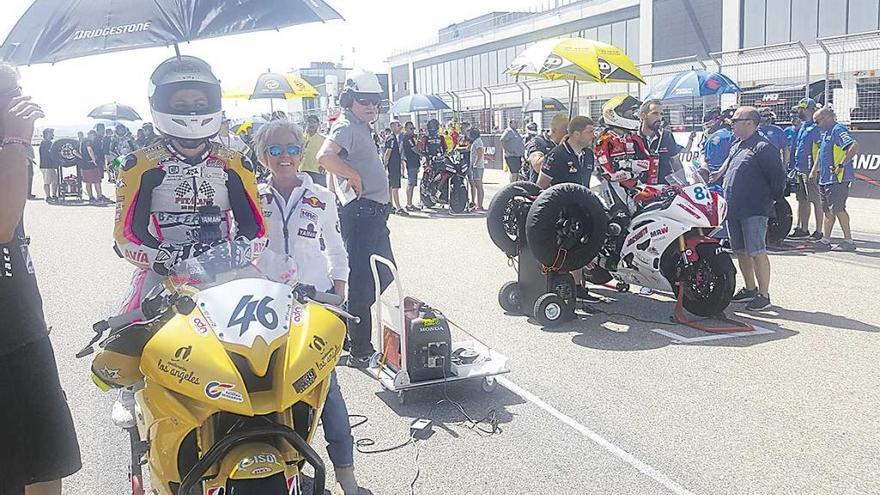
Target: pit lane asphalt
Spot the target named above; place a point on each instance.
(791, 411)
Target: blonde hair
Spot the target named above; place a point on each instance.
(267, 131)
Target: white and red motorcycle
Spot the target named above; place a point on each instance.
(666, 245)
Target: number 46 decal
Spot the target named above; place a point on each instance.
(249, 310)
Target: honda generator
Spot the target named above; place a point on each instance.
(428, 342)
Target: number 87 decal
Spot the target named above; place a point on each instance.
(700, 194)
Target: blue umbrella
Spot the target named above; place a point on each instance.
(418, 103)
(693, 84)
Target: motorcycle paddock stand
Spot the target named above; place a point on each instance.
(728, 325)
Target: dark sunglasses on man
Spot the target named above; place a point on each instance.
(368, 100)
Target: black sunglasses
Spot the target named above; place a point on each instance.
(743, 120)
(368, 100)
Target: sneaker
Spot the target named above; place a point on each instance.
(402, 212)
(745, 295)
(799, 233)
(411, 208)
(759, 303)
(122, 413)
(816, 236)
(846, 246)
(823, 246)
(359, 362)
(584, 294)
(94, 201)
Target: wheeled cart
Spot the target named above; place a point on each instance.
(551, 298)
(414, 347)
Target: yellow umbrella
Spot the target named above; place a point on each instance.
(576, 59)
(299, 88)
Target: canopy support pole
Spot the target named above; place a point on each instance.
(177, 50)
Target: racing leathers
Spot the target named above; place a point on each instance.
(434, 150)
(626, 165)
(170, 208)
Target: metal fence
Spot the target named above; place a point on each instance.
(774, 76)
(852, 77)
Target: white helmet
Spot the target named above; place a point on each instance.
(363, 82)
(196, 123)
(622, 111)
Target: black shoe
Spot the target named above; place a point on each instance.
(402, 212)
(359, 362)
(759, 303)
(816, 236)
(745, 295)
(799, 233)
(584, 294)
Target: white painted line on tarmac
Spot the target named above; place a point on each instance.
(598, 439)
(715, 336)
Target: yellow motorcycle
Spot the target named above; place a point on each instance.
(231, 363)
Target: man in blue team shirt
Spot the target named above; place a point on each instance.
(805, 155)
(716, 145)
(773, 133)
(791, 133)
(835, 170)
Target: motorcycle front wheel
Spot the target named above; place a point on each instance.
(708, 284)
(458, 195)
(273, 485)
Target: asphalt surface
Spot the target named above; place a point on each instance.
(603, 405)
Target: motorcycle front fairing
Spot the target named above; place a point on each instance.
(690, 212)
(248, 349)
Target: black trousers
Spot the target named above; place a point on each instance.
(365, 233)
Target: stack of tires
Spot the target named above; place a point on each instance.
(551, 233)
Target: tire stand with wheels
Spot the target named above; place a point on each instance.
(549, 297)
(729, 325)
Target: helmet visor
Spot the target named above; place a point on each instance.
(187, 98)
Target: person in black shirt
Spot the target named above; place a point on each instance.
(38, 444)
(49, 166)
(659, 141)
(540, 145)
(409, 144)
(571, 161)
(392, 159)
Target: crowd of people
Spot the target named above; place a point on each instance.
(743, 155)
(326, 201)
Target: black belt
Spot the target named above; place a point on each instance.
(369, 207)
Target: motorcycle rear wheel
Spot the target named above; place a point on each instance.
(708, 289)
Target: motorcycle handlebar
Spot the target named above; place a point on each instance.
(327, 298)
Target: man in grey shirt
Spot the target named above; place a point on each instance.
(514, 148)
(349, 153)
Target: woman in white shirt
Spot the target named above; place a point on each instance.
(303, 223)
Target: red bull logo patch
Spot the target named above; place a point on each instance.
(314, 202)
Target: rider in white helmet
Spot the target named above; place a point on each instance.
(180, 195)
